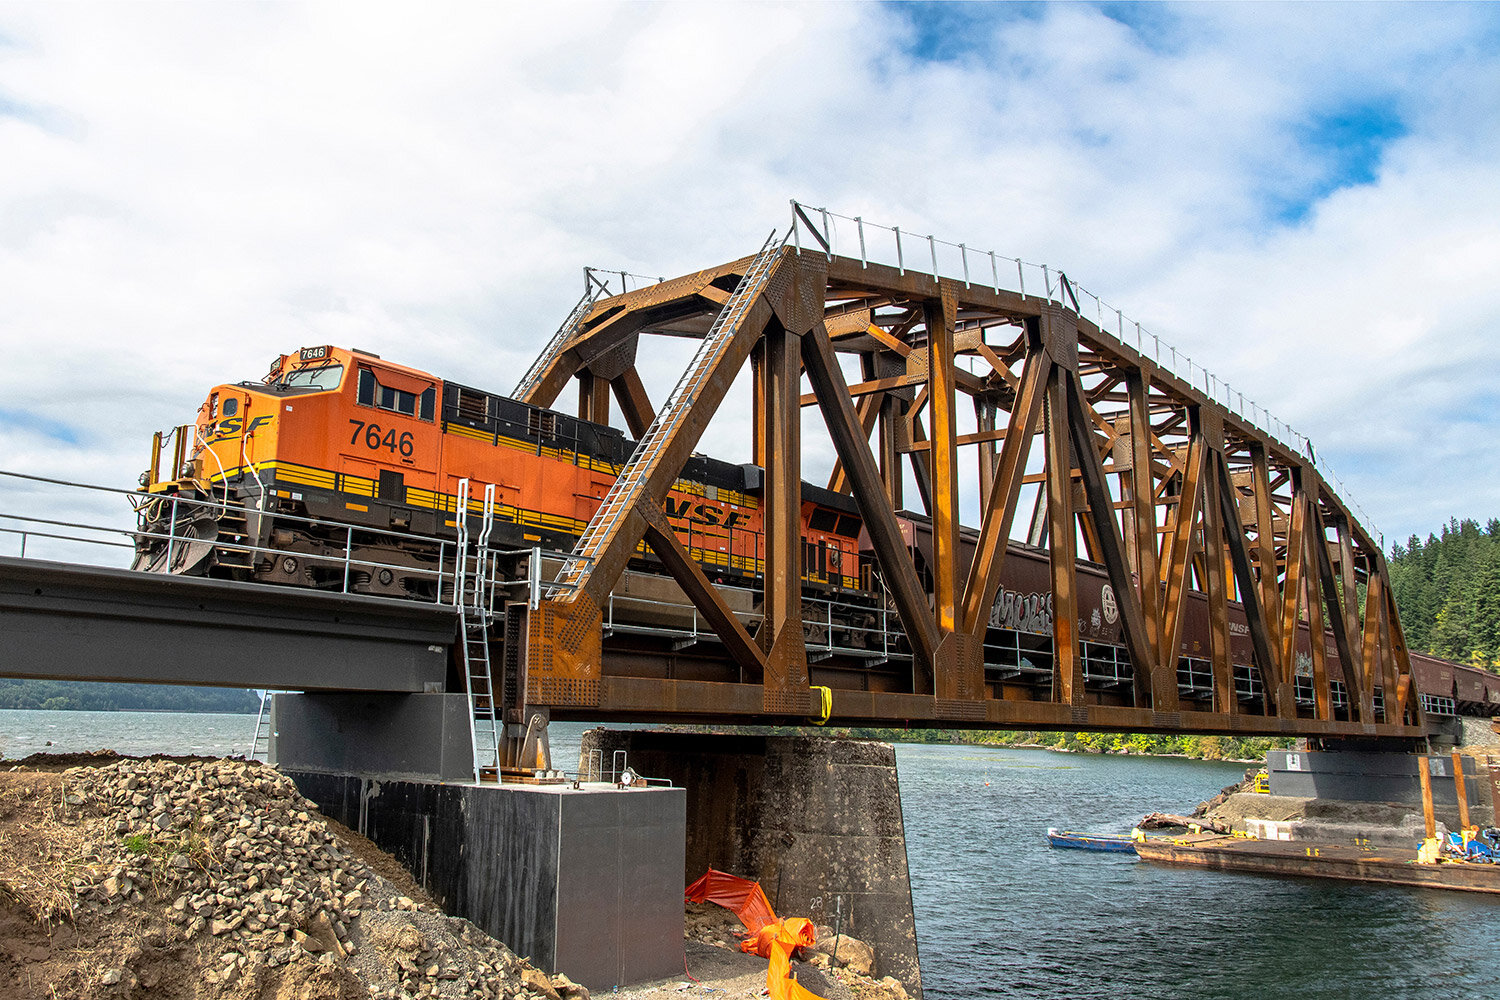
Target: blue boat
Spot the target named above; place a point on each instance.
(1090, 841)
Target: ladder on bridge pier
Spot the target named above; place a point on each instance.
(260, 744)
(473, 597)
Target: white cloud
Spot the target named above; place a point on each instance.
(188, 191)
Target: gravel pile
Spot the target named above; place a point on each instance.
(224, 867)
(237, 849)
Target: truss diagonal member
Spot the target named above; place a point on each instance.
(1211, 569)
(635, 405)
(1265, 552)
(603, 550)
(1291, 588)
(869, 409)
(546, 361)
(1337, 614)
(1250, 592)
(1183, 541)
(1370, 648)
(689, 576)
(1401, 657)
(1000, 513)
(1107, 532)
(869, 494)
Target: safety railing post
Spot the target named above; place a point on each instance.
(348, 552)
(534, 572)
(171, 532)
(885, 632)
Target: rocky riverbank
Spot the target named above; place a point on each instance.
(192, 878)
(212, 878)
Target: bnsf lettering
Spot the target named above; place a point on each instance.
(230, 427)
(701, 513)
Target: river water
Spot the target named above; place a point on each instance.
(999, 914)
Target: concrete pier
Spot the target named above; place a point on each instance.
(585, 880)
(816, 821)
(1352, 776)
(589, 880)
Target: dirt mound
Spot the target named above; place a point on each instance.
(207, 878)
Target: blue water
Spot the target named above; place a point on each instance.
(999, 914)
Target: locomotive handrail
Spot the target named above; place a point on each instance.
(534, 580)
(174, 537)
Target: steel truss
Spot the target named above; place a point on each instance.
(1178, 498)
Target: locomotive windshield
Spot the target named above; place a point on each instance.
(321, 378)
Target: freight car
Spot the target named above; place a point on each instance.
(338, 457)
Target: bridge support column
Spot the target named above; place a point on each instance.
(816, 821)
(586, 880)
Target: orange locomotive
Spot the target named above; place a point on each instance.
(345, 436)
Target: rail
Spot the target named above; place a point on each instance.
(818, 229)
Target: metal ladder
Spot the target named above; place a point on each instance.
(643, 461)
(471, 590)
(593, 288)
(260, 746)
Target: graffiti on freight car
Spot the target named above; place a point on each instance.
(1022, 612)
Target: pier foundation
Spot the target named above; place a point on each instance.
(817, 821)
(1354, 776)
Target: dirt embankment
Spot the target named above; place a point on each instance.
(202, 878)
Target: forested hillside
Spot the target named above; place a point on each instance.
(99, 697)
(1448, 590)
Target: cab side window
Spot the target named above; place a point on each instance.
(384, 397)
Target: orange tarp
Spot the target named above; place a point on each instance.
(769, 937)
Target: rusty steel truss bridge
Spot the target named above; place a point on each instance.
(1242, 595)
(1180, 499)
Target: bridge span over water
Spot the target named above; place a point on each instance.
(1182, 567)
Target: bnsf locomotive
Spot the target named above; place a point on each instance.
(346, 436)
(337, 450)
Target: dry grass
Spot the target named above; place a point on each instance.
(44, 848)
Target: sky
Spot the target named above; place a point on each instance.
(1304, 198)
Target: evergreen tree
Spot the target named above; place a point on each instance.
(1448, 589)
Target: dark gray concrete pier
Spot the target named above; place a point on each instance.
(817, 821)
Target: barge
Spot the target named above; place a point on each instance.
(1388, 865)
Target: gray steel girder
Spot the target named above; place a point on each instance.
(67, 622)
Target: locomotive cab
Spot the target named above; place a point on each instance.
(322, 422)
